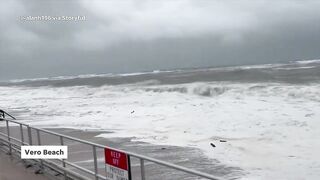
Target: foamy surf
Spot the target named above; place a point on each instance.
(269, 129)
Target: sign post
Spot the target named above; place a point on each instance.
(117, 165)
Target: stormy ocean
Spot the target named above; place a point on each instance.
(264, 119)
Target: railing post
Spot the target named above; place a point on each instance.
(29, 135)
(9, 139)
(129, 165)
(21, 133)
(143, 176)
(38, 136)
(63, 163)
(39, 143)
(94, 150)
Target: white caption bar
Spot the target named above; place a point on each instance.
(44, 152)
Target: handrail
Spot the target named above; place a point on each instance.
(3, 113)
(95, 145)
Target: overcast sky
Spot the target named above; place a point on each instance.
(141, 35)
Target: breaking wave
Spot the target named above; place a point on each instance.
(203, 90)
(297, 72)
(255, 118)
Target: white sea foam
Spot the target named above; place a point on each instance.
(88, 76)
(308, 61)
(294, 68)
(272, 130)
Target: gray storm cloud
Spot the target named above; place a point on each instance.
(138, 35)
(149, 20)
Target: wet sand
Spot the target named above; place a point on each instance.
(185, 156)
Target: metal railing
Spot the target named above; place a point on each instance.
(70, 169)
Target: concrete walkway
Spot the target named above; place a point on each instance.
(13, 169)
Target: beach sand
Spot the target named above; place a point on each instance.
(82, 155)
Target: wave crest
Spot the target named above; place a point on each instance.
(202, 90)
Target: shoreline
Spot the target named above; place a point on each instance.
(185, 156)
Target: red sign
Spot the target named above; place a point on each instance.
(116, 159)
